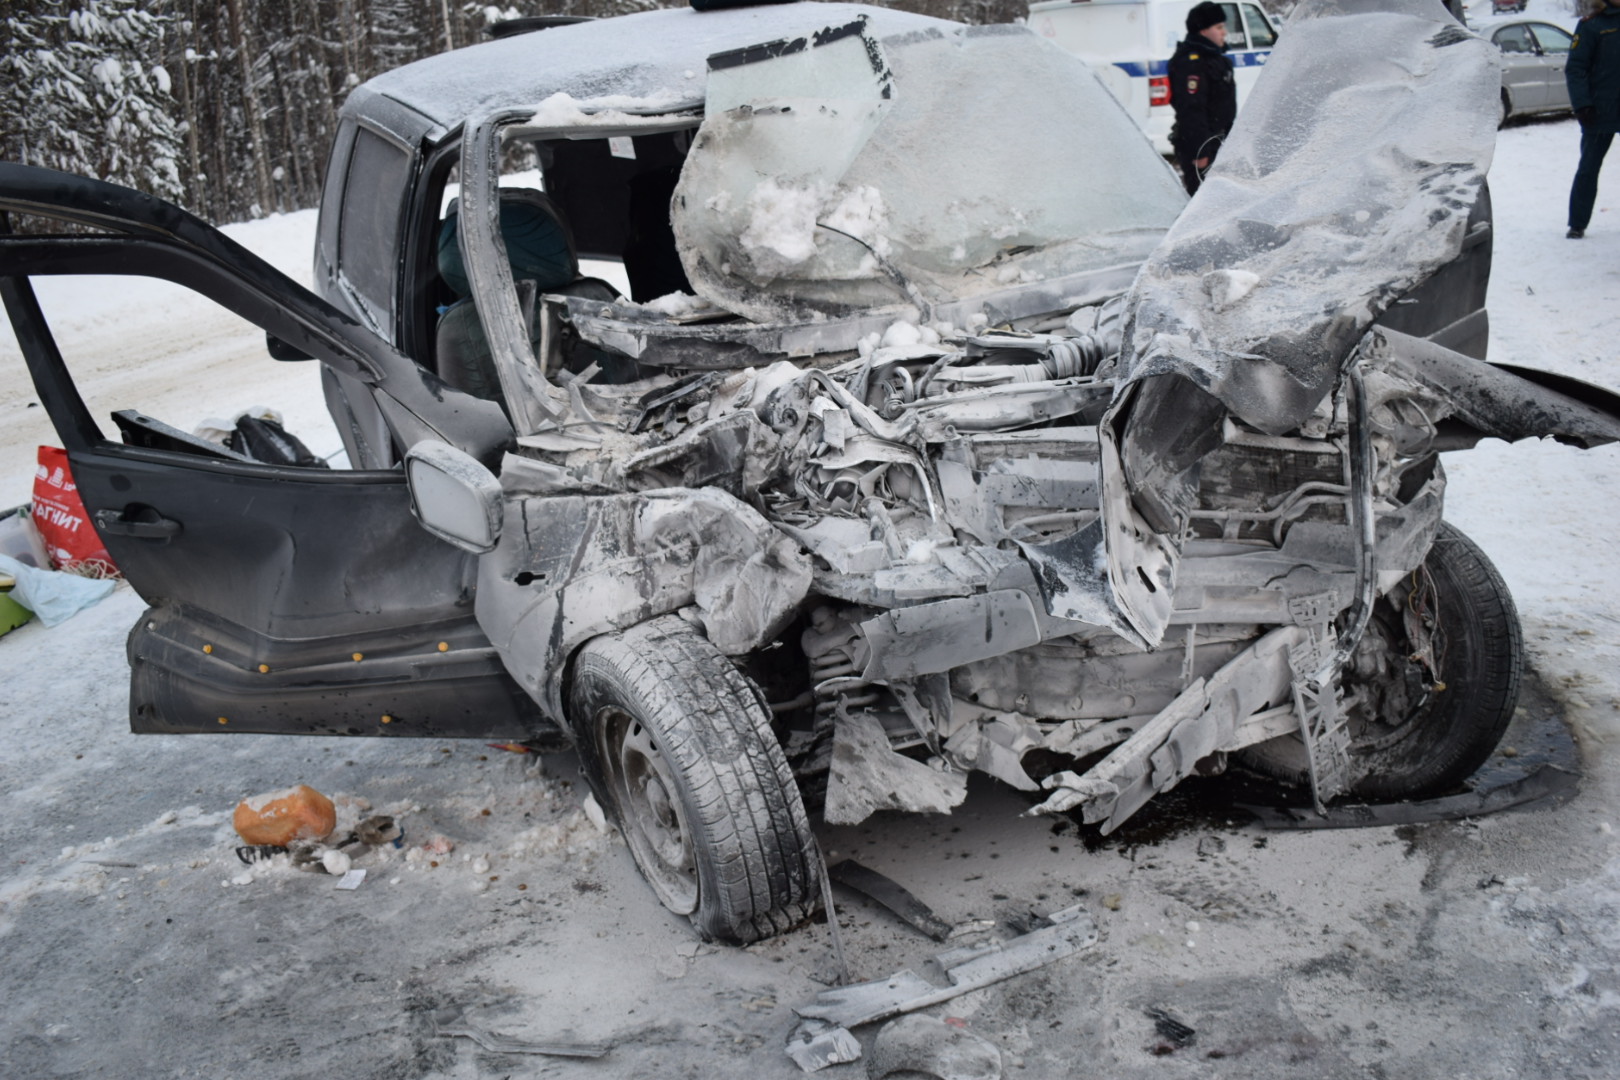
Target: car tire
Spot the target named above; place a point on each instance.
(1507, 108)
(680, 749)
(1449, 721)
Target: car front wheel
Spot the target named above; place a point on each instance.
(1433, 682)
(680, 749)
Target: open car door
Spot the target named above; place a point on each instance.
(282, 598)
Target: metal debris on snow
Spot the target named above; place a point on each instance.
(969, 967)
(506, 1044)
(1172, 1030)
(892, 895)
(816, 1044)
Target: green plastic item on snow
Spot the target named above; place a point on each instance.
(12, 614)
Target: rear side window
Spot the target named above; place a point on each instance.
(1261, 36)
(368, 236)
(1235, 38)
(1550, 38)
(1514, 39)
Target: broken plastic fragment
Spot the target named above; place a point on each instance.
(816, 1044)
(377, 830)
(252, 853)
(1173, 1030)
(969, 967)
(867, 776)
(1069, 790)
(892, 895)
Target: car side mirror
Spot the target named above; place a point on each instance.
(453, 496)
(280, 350)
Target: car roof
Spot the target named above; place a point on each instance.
(659, 58)
(1482, 26)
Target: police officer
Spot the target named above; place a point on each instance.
(1593, 76)
(1202, 92)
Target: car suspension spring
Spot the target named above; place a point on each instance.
(836, 680)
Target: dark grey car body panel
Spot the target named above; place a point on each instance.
(265, 582)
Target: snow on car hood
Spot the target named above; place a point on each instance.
(835, 173)
(1347, 181)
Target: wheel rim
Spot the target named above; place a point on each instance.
(653, 820)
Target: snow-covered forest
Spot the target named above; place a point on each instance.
(227, 106)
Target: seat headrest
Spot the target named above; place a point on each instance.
(538, 242)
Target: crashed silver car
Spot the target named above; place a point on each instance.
(934, 428)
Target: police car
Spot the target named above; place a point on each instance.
(1129, 43)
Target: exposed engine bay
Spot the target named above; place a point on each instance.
(1138, 529)
(1090, 515)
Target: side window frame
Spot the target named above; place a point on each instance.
(377, 307)
(77, 426)
(1523, 31)
(1234, 21)
(331, 210)
(420, 265)
(1251, 13)
(1568, 41)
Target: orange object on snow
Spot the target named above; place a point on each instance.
(280, 817)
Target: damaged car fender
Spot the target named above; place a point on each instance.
(569, 567)
(1336, 195)
(1469, 400)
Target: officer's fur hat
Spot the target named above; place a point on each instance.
(1203, 16)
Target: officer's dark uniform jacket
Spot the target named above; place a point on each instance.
(1204, 95)
(1593, 70)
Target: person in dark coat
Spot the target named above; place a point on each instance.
(1202, 92)
(1593, 76)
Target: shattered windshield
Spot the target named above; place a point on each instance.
(846, 173)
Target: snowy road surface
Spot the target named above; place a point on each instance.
(136, 945)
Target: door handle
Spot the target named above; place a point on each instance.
(142, 522)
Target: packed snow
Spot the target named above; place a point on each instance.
(563, 111)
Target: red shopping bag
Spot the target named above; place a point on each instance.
(59, 515)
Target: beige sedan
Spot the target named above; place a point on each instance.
(1533, 57)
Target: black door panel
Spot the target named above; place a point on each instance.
(292, 552)
(296, 601)
(283, 599)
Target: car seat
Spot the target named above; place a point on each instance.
(540, 248)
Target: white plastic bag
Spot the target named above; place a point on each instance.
(53, 596)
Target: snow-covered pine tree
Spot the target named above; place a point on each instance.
(228, 106)
(83, 89)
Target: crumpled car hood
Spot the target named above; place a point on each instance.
(838, 172)
(1347, 181)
